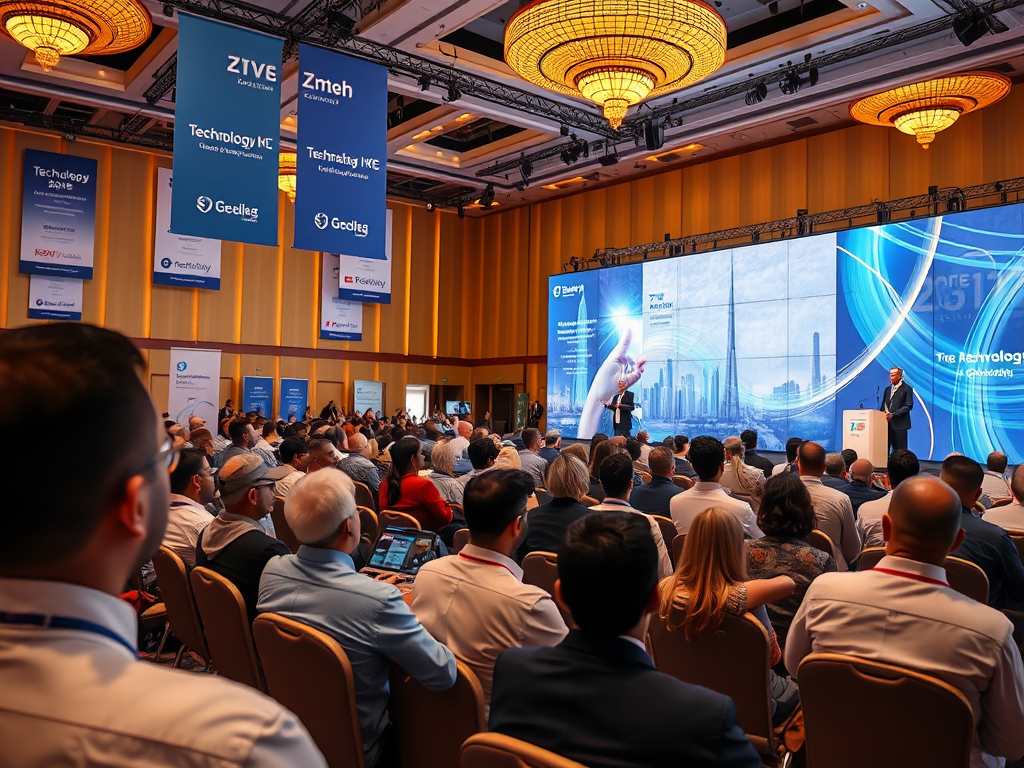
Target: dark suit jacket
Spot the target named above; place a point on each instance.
(626, 417)
(600, 701)
(546, 525)
(754, 459)
(859, 492)
(900, 406)
(653, 497)
(685, 468)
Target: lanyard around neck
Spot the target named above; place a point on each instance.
(480, 560)
(914, 576)
(63, 622)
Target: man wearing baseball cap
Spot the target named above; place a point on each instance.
(234, 544)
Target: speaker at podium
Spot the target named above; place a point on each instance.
(867, 432)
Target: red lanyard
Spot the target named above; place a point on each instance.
(485, 562)
(914, 576)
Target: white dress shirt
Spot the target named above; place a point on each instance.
(1009, 516)
(79, 697)
(703, 495)
(833, 511)
(185, 521)
(910, 617)
(476, 604)
(869, 521)
(664, 561)
(995, 486)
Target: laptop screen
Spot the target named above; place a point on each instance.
(403, 550)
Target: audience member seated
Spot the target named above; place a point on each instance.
(356, 463)
(644, 438)
(72, 688)
(710, 581)
(579, 451)
(546, 525)
(750, 454)
(635, 453)
(902, 464)
(482, 455)
(295, 458)
(596, 698)
(404, 490)
(530, 459)
(234, 544)
(202, 439)
(596, 440)
(994, 484)
(833, 509)
(508, 458)
(786, 517)
(904, 612)
(859, 489)
(320, 587)
(617, 480)
(552, 444)
(598, 454)
(1011, 516)
(654, 497)
(442, 461)
(740, 479)
(836, 472)
(475, 603)
(986, 545)
(243, 440)
(792, 446)
(680, 448)
(849, 456)
(708, 457)
(192, 489)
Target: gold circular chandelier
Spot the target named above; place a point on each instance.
(286, 174)
(55, 28)
(615, 53)
(924, 109)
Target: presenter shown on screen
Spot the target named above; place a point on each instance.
(897, 402)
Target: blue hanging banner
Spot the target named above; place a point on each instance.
(257, 395)
(294, 398)
(226, 130)
(341, 157)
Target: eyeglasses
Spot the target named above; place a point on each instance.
(168, 456)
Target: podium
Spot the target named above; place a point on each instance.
(867, 432)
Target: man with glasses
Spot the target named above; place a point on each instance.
(235, 544)
(192, 489)
(71, 682)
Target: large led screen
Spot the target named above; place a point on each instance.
(782, 337)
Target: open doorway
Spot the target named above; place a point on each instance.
(416, 401)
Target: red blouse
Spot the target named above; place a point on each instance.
(419, 498)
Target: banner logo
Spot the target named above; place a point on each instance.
(321, 221)
(566, 290)
(204, 204)
(182, 366)
(348, 279)
(39, 302)
(165, 263)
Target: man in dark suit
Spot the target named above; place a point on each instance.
(750, 455)
(654, 497)
(622, 407)
(897, 402)
(596, 697)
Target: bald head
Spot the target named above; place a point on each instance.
(923, 521)
(465, 429)
(1017, 484)
(862, 470)
(811, 459)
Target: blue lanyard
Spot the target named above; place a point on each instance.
(63, 622)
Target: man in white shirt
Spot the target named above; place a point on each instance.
(833, 509)
(1010, 516)
(902, 464)
(530, 459)
(72, 688)
(904, 612)
(616, 475)
(191, 489)
(789, 465)
(707, 455)
(994, 484)
(475, 602)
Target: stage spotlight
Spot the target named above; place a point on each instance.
(487, 197)
(424, 82)
(654, 134)
(773, 8)
(526, 171)
(454, 94)
(430, 206)
(608, 160)
(341, 23)
(756, 94)
(793, 82)
(168, 10)
(972, 28)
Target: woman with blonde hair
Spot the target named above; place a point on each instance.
(739, 477)
(578, 451)
(508, 458)
(568, 481)
(710, 581)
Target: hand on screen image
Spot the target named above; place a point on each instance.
(618, 365)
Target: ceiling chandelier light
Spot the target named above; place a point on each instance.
(924, 109)
(616, 53)
(286, 174)
(55, 28)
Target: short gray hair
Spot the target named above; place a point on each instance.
(835, 464)
(552, 436)
(442, 458)
(319, 504)
(568, 477)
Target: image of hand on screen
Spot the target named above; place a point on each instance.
(619, 365)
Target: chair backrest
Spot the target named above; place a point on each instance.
(964, 576)
(1018, 542)
(645, 476)
(431, 725)
(684, 482)
(732, 659)
(365, 497)
(281, 527)
(493, 750)
(176, 592)
(397, 520)
(368, 523)
(1002, 502)
(308, 672)
(820, 540)
(227, 628)
(460, 540)
(668, 530)
(589, 501)
(677, 547)
(541, 570)
(457, 510)
(922, 720)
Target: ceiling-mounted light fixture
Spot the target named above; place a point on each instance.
(286, 174)
(924, 109)
(526, 171)
(68, 27)
(615, 53)
(756, 95)
(425, 82)
(454, 94)
(487, 197)
(793, 82)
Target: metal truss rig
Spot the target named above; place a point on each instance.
(950, 199)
